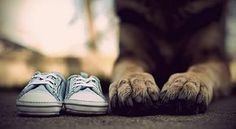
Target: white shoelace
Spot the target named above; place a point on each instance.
(82, 83)
(85, 83)
(43, 79)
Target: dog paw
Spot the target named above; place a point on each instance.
(185, 93)
(133, 94)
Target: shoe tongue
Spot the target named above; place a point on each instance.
(59, 75)
(84, 75)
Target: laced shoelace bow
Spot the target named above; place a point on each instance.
(80, 83)
(45, 79)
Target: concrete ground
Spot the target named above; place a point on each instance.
(220, 115)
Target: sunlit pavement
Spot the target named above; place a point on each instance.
(220, 115)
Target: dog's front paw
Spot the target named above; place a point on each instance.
(185, 93)
(133, 94)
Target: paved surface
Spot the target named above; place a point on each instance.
(220, 115)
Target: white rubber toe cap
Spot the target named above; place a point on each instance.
(36, 96)
(87, 95)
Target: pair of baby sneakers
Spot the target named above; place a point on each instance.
(49, 94)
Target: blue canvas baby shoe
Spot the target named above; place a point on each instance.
(84, 95)
(43, 95)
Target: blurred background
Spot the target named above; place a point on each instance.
(68, 36)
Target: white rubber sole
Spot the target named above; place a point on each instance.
(85, 107)
(38, 109)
